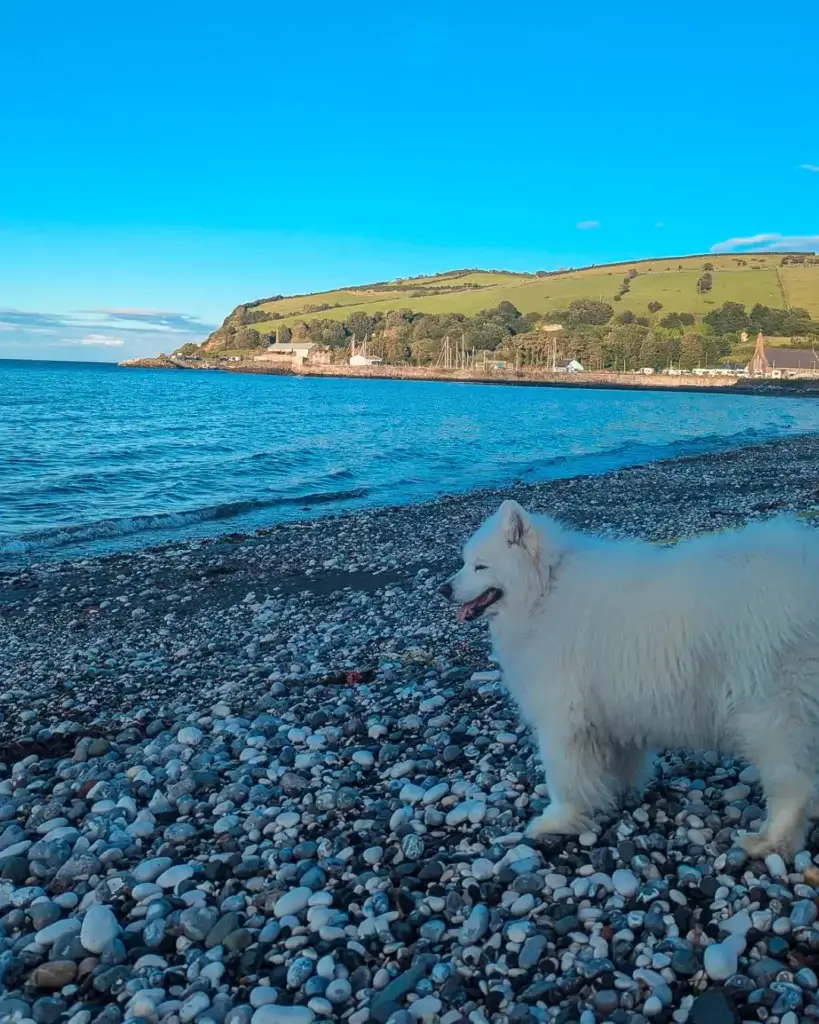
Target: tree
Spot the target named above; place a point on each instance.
(691, 353)
(730, 316)
(708, 266)
(655, 307)
(651, 352)
(588, 311)
(248, 337)
(705, 283)
(621, 346)
(359, 325)
(626, 317)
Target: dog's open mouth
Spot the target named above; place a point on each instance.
(474, 609)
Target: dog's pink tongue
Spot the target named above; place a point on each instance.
(466, 610)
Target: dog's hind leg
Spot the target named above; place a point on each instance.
(633, 767)
(783, 755)
(579, 780)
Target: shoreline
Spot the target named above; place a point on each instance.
(590, 381)
(244, 731)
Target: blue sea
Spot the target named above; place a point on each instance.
(95, 458)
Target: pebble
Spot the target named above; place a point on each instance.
(293, 902)
(625, 882)
(99, 928)
(273, 1014)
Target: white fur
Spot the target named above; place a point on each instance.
(614, 648)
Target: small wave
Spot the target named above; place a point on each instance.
(108, 528)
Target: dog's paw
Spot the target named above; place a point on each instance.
(557, 822)
(756, 844)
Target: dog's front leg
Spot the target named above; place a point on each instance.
(579, 782)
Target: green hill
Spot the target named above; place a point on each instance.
(425, 309)
(673, 282)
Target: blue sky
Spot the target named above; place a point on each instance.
(162, 162)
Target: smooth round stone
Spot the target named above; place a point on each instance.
(189, 736)
(522, 905)
(99, 928)
(532, 951)
(807, 979)
(326, 967)
(473, 811)
(171, 878)
(776, 866)
(263, 995)
(803, 914)
(339, 991)
(54, 974)
(411, 794)
(652, 1006)
(51, 933)
(372, 855)
(475, 925)
(720, 960)
(292, 902)
(625, 882)
(436, 793)
(299, 971)
(274, 1014)
(288, 819)
(180, 832)
(433, 931)
(426, 1008)
(145, 889)
(43, 914)
(363, 758)
(412, 846)
(482, 869)
(193, 1006)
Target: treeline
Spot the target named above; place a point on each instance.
(589, 331)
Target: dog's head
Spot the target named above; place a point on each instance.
(502, 565)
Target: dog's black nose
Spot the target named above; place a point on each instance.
(445, 590)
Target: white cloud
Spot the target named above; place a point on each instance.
(769, 242)
(809, 167)
(588, 225)
(99, 339)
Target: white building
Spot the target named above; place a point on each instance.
(359, 359)
(568, 366)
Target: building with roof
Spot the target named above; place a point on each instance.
(296, 355)
(770, 361)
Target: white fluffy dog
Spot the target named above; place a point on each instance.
(613, 649)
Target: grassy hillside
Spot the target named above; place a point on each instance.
(673, 282)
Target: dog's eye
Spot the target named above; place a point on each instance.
(479, 568)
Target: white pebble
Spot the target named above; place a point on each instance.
(99, 928)
(625, 882)
(292, 902)
(189, 736)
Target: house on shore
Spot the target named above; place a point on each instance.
(361, 359)
(768, 361)
(568, 366)
(296, 355)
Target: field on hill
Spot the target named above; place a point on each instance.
(673, 282)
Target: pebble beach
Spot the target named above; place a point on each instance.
(268, 779)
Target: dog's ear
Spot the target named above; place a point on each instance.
(517, 526)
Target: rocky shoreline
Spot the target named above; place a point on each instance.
(268, 778)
